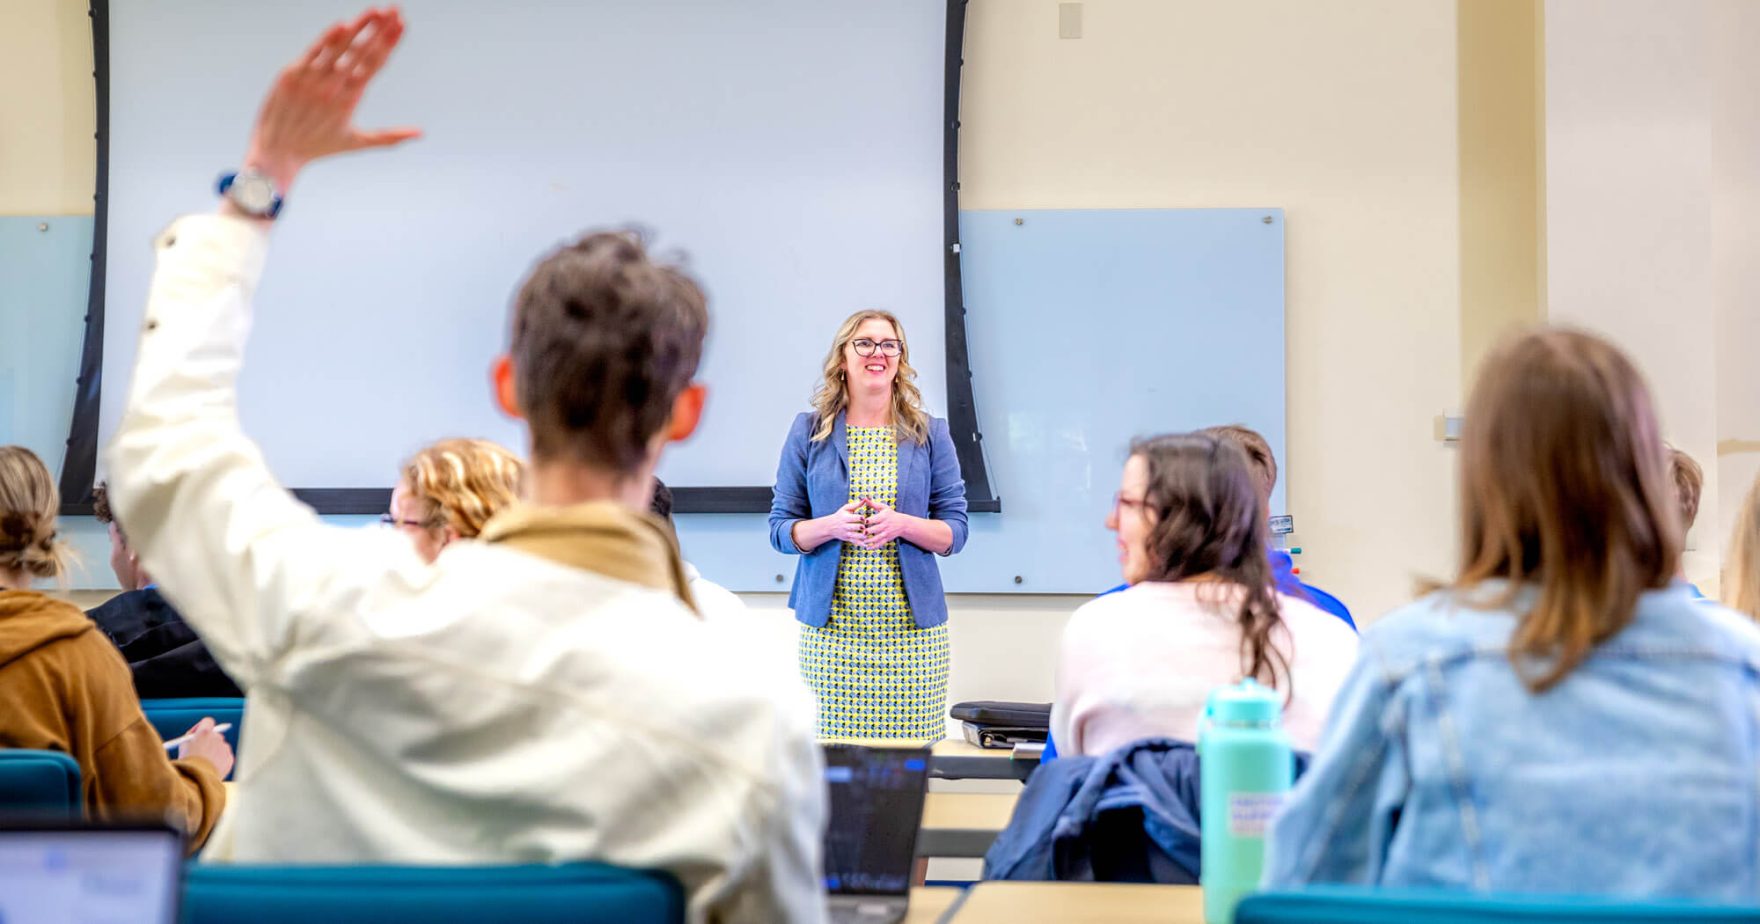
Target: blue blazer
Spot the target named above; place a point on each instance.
(812, 480)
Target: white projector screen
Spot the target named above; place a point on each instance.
(793, 148)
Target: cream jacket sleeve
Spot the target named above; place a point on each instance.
(249, 566)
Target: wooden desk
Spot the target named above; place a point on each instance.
(1026, 902)
(958, 759)
(963, 824)
(930, 904)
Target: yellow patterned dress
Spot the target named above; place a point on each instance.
(877, 675)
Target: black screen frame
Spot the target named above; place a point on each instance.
(80, 463)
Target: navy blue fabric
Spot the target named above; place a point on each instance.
(1060, 829)
(1131, 815)
(39, 785)
(165, 656)
(432, 894)
(812, 480)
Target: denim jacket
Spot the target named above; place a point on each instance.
(1638, 774)
(812, 480)
(1060, 828)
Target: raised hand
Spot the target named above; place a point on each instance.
(309, 112)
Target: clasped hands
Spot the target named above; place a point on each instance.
(868, 523)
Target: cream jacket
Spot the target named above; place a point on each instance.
(493, 707)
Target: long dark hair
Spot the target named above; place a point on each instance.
(1207, 518)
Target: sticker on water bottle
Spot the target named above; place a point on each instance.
(1249, 813)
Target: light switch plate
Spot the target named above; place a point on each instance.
(1069, 20)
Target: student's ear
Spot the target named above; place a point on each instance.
(687, 412)
(506, 397)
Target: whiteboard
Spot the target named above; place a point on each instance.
(45, 265)
(792, 148)
(1087, 328)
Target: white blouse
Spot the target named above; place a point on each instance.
(1139, 663)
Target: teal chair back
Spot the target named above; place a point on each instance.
(576, 892)
(172, 717)
(41, 785)
(1356, 905)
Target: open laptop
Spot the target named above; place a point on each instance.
(89, 874)
(876, 799)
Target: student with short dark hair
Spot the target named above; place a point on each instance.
(62, 687)
(165, 656)
(538, 695)
(1562, 716)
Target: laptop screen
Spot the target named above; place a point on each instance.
(90, 875)
(876, 800)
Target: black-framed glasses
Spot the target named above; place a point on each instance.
(866, 347)
(387, 519)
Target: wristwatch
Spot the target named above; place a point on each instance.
(252, 192)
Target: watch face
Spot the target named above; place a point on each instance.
(253, 193)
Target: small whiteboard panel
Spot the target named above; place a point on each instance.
(1087, 328)
(45, 264)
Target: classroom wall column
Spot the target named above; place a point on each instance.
(1502, 207)
(1735, 254)
(1647, 238)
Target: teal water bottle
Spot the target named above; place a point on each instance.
(1245, 768)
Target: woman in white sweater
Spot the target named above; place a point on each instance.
(1201, 611)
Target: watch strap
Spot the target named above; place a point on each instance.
(225, 186)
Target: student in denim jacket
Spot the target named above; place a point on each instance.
(1562, 716)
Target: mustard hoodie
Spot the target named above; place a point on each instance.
(64, 687)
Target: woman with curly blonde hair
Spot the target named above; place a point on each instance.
(449, 490)
(868, 492)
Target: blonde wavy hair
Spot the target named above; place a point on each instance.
(1741, 573)
(909, 420)
(461, 483)
(30, 541)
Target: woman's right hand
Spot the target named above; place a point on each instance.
(209, 745)
(845, 525)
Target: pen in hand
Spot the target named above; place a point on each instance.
(173, 744)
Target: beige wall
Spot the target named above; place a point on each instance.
(1344, 114)
(1653, 165)
(1502, 110)
(47, 114)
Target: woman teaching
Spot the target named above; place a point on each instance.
(868, 492)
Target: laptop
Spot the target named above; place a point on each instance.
(89, 873)
(876, 800)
